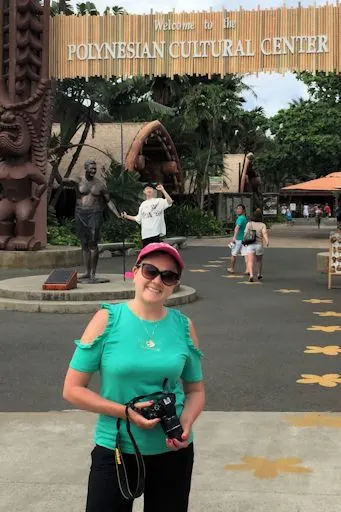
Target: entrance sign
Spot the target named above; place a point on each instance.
(284, 39)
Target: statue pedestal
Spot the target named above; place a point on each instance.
(27, 294)
(50, 257)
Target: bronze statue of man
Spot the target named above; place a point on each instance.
(92, 197)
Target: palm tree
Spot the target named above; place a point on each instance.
(61, 7)
(116, 10)
(87, 8)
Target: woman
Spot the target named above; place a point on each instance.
(254, 252)
(137, 346)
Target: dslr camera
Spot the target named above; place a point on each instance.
(164, 408)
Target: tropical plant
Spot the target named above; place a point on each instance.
(84, 8)
(116, 10)
(61, 7)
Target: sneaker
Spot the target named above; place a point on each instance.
(251, 280)
(260, 277)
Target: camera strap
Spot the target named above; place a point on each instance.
(121, 471)
(122, 476)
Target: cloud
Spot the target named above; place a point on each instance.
(273, 92)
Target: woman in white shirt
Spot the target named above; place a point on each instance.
(254, 252)
(151, 214)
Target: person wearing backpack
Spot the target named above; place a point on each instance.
(256, 233)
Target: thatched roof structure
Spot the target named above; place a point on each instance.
(146, 148)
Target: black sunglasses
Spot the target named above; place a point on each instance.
(150, 272)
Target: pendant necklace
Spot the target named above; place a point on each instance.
(150, 343)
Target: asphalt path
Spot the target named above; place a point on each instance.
(253, 338)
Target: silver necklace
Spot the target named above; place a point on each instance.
(150, 343)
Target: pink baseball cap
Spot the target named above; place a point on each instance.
(161, 247)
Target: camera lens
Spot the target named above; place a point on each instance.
(172, 427)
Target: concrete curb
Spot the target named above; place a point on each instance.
(186, 295)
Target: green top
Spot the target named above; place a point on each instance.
(241, 222)
(133, 357)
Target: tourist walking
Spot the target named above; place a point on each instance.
(238, 236)
(318, 216)
(147, 355)
(306, 211)
(288, 217)
(327, 210)
(254, 252)
(151, 214)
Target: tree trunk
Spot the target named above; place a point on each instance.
(72, 163)
(205, 176)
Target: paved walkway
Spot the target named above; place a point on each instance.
(267, 440)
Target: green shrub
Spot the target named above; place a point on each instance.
(115, 230)
(187, 220)
(61, 235)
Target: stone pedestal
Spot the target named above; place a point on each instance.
(50, 257)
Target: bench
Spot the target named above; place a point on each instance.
(116, 247)
(179, 242)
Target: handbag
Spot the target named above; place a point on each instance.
(250, 237)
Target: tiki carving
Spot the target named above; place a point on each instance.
(25, 119)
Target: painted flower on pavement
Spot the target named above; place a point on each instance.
(315, 419)
(319, 301)
(327, 313)
(325, 328)
(330, 380)
(330, 350)
(284, 290)
(269, 469)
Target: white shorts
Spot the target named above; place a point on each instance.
(237, 248)
(257, 249)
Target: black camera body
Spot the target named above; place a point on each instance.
(164, 408)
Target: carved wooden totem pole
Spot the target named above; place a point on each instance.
(25, 119)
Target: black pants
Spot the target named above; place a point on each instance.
(167, 486)
(151, 240)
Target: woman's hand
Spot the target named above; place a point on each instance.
(175, 444)
(138, 419)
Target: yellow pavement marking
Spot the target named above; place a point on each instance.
(330, 380)
(269, 469)
(233, 276)
(212, 266)
(325, 328)
(285, 290)
(198, 270)
(327, 313)
(329, 350)
(314, 419)
(319, 301)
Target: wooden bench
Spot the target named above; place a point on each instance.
(179, 242)
(116, 247)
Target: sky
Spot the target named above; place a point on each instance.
(273, 91)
